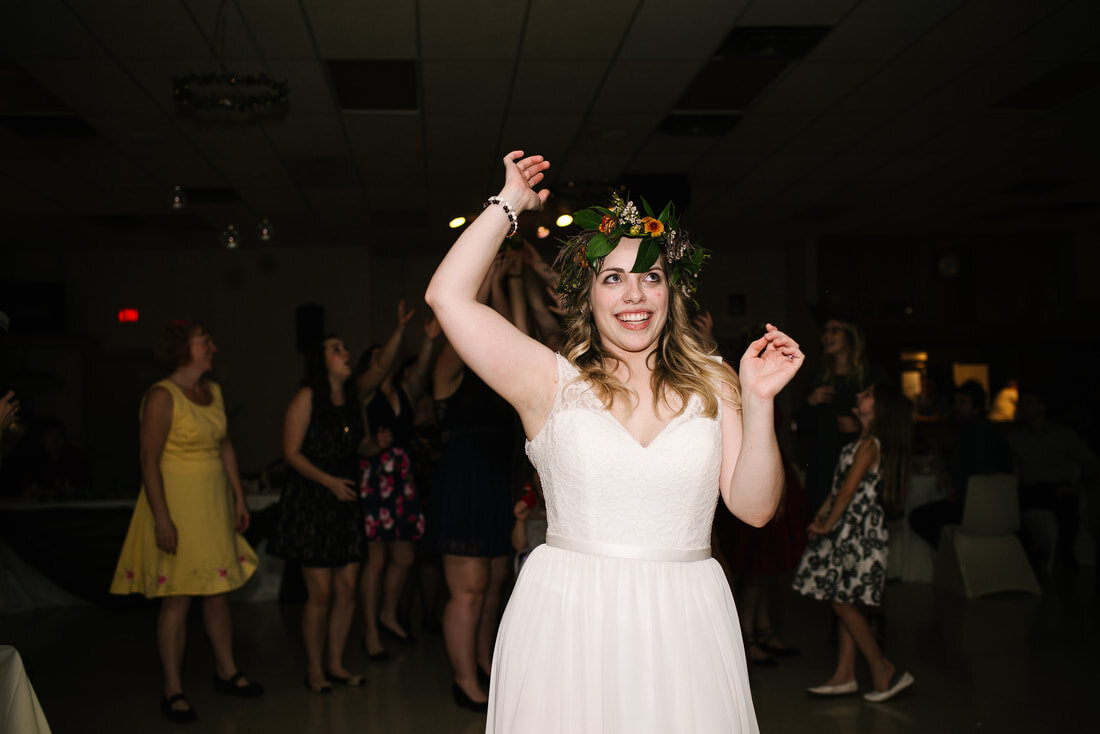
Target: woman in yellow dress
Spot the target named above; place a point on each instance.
(184, 537)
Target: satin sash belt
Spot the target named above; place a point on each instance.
(635, 552)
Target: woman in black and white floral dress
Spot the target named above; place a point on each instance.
(845, 560)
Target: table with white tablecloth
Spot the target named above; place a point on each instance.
(911, 558)
(20, 712)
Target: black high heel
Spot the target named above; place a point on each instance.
(464, 701)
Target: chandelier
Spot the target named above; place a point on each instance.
(223, 95)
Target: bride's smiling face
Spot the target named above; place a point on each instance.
(630, 309)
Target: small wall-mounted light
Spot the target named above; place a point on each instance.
(543, 232)
(230, 238)
(456, 222)
(265, 231)
(178, 199)
(564, 220)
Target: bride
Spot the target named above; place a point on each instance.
(622, 621)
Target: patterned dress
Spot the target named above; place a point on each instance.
(211, 557)
(316, 529)
(391, 504)
(848, 565)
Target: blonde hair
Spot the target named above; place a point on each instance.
(856, 358)
(682, 361)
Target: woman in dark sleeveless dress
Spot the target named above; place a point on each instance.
(471, 520)
(321, 521)
(392, 509)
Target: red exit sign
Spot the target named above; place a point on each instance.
(127, 315)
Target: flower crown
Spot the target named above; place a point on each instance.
(603, 228)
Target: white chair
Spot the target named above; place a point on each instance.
(983, 555)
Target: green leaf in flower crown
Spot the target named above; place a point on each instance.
(648, 211)
(648, 251)
(604, 210)
(665, 213)
(587, 219)
(599, 246)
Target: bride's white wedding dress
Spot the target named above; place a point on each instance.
(622, 622)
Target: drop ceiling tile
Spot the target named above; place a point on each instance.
(363, 30)
(812, 87)
(881, 30)
(488, 29)
(553, 31)
(448, 133)
(547, 135)
(898, 86)
(467, 87)
(254, 173)
(759, 133)
(796, 12)
(398, 173)
(306, 135)
(309, 90)
(186, 171)
(976, 29)
(592, 167)
(662, 163)
(678, 29)
(382, 134)
(634, 86)
(94, 86)
(279, 27)
(137, 29)
(563, 85)
(616, 132)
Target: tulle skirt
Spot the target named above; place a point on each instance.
(592, 643)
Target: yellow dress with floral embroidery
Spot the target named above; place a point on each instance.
(211, 557)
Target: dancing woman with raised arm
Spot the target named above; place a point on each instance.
(621, 621)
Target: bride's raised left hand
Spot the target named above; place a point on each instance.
(521, 175)
(769, 363)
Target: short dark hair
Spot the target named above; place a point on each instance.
(973, 390)
(174, 349)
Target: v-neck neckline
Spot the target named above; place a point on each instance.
(671, 422)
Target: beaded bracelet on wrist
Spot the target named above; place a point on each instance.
(513, 218)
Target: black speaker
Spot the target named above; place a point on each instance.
(309, 321)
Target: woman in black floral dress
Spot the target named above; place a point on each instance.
(845, 561)
(392, 510)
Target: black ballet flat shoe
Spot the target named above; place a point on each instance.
(466, 702)
(352, 681)
(321, 689)
(482, 676)
(177, 716)
(764, 640)
(230, 687)
(405, 639)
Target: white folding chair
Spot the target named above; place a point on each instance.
(983, 555)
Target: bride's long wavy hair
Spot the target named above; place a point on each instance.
(682, 362)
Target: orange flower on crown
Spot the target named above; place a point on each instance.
(652, 227)
(607, 225)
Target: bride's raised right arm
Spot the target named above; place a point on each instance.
(517, 367)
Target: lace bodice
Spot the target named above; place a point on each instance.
(602, 485)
